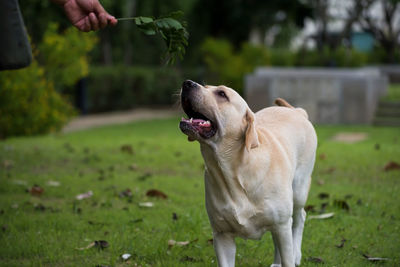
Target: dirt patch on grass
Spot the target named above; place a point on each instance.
(350, 137)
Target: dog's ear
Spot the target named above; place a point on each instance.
(251, 137)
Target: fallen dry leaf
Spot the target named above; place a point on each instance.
(133, 167)
(146, 204)
(85, 195)
(341, 243)
(322, 156)
(127, 149)
(188, 259)
(101, 244)
(126, 256)
(315, 260)
(322, 216)
(210, 241)
(341, 204)
(53, 183)
(320, 182)
(391, 165)
(36, 190)
(323, 195)
(126, 193)
(309, 208)
(7, 164)
(172, 243)
(136, 220)
(145, 176)
(40, 207)
(374, 259)
(329, 170)
(156, 193)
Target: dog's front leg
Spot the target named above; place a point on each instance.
(282, 235)
(225, 248)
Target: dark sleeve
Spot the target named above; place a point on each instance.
(15, 50)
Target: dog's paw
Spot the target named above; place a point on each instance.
(297, 259)
(275, 265)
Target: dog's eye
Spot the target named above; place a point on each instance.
(222, 94)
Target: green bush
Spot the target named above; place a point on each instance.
(29, 104)
(64, 56)
(227, 67)
(122, 87)
(29, 101)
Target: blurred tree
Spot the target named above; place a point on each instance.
(237, 20)
(385, 27)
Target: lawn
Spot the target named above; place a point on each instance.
(46, 228)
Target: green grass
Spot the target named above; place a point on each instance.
(393, 94)
(93, 160)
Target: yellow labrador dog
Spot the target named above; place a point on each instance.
(257, 168)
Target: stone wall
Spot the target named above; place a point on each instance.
(330, 96)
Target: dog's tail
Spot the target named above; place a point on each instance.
(283, 103)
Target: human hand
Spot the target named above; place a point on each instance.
(87, 15)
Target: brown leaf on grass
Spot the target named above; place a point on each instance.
(322, 156)
(40, 207)
(189, 259)
(309, 208)
(156, 193)
(127, 149)
(323, 195)
(374, 259)
(172, 243)
(329, 170)
(146, 204)
(321, 216)
(133, 167)
(125, 256)
(391, 166)
(341, 204)
(320, 182)
(315, 260)
(210, 241)
(85, 195)
(341, 243)
(136, 220)
(36, 190)
(126, 193)
(145, 176)
(7, 164)
(100, 244)
(53, 183)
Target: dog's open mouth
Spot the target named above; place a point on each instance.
(197, 124)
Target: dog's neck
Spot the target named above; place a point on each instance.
(222, 163)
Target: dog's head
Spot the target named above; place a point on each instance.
(215, 113)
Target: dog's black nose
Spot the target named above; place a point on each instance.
(188, 84)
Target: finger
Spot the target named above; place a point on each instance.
(94, 22)
(112, 20)
(103, 20)
(83, 24)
